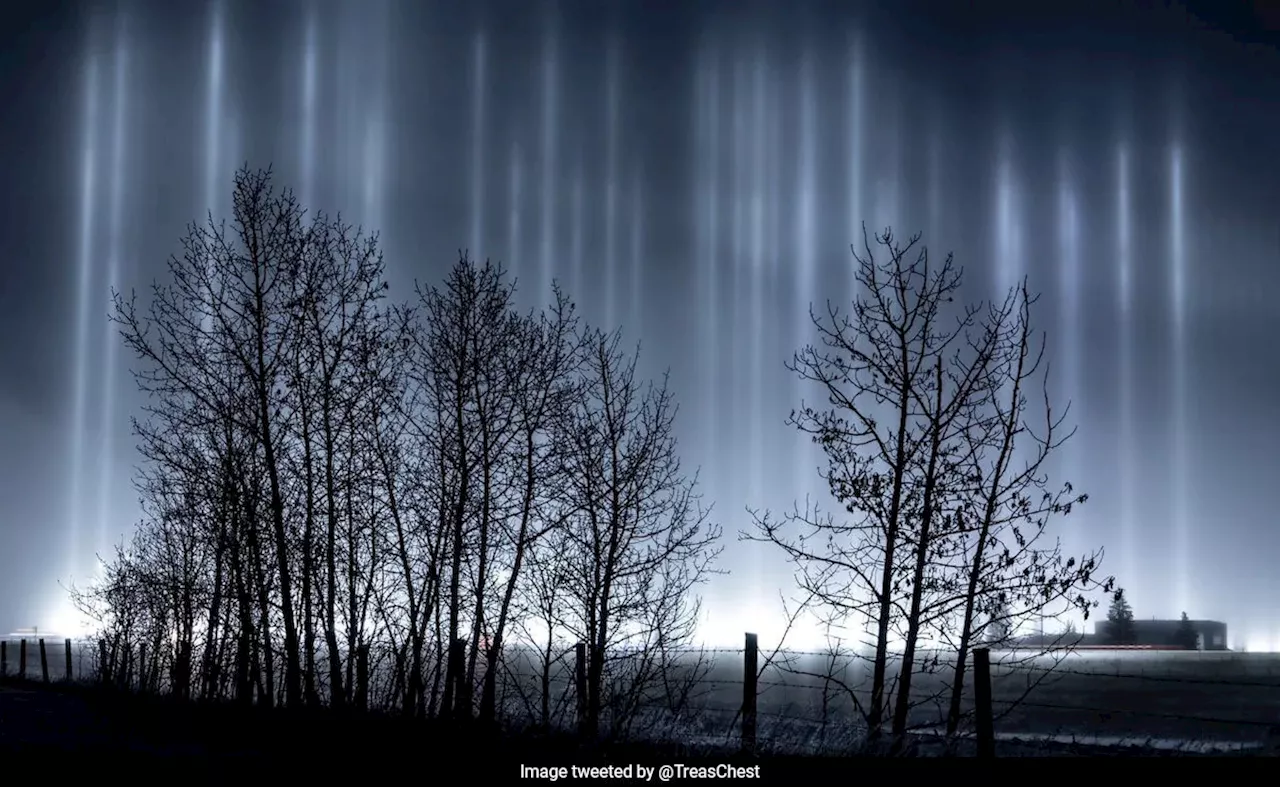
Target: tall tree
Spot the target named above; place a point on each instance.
(1120, 627)
(639, 540)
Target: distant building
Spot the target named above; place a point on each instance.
(1210, 634)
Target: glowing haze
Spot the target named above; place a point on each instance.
(694, 172)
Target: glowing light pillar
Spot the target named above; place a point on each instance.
(514, 187)
(1069, 273)
(114, 261)
(375, 134)
(612, 99)
(307, 134)
(636, 308)
(550, 141)
(806, 208)
(1124, 290)
(88, 210)
(1178, 309)
(479, 58)
(854, 144)
(577, 230)
(761, 147)
(1008, 254)
(213, 136)
(707, 112)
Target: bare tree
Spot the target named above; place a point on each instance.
(1013, 572)
(639, 540)
(875, 367)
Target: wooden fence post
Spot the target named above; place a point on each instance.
(22, 659)
(4, 658)
(104, 669)
(66, 670)
(124, 671)
(982, 702)
(461, 697)
(362, 678)
(580, 683)
(750, 674)
(44, 662)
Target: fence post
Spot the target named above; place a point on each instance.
(362, 678)
(124, 672)
(580, 683)
(982, 702)
(44, 662)
(4, 658)
(22, 659)
(104, 669)
(461, 698)
(66, 672)
(750, 674)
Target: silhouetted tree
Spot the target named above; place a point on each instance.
(336, 488)
(1186, 635)
(1120, 627)
(924, 398)
(638, 539)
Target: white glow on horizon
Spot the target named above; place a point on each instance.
(88, 171)
(479, 58)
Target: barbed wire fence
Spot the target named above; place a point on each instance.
(808, 700)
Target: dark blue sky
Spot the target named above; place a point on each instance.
(746, 143)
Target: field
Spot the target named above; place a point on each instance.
(1192, 702)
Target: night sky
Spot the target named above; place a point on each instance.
(694, 172)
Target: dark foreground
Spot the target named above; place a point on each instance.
(53, 724)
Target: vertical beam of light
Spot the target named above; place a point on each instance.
(84, 265)
(933, 197)
(1124, 290)
(708, 222)
(1008, 258)
(114, 255)
(375, 116)
(854, 150)
(730, 318)
(755, 315)
(1069, 278)
(307, 134)
(479, 58)
(806, 241)
(577, 231)
(514, 197)
(612, 100)
(637, 253)
(213, 134)
(1178, 309)
(550, 141)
